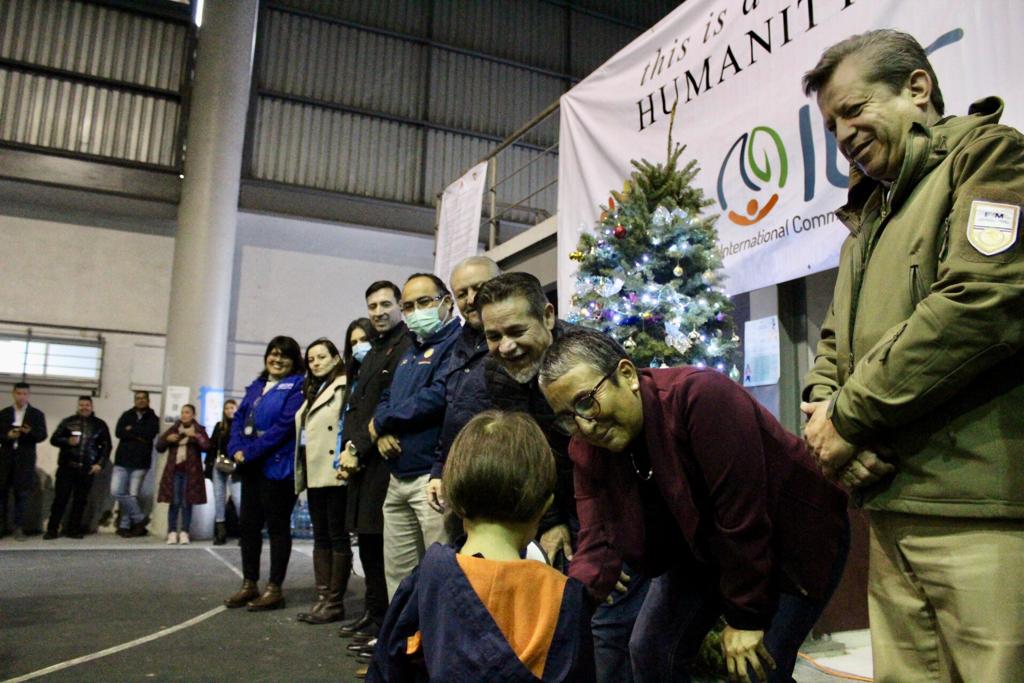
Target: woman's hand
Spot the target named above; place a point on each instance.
(239, 457)
(172, 438)
(743, 648)
(348, 461)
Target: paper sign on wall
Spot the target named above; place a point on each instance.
(176, 398)
(211, 406)
(458, 229)
(761, 351)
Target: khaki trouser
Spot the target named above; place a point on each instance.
(946, 598)
(410, 527)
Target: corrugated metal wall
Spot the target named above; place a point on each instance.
(87, 79)
(390, 99)
(394, 99)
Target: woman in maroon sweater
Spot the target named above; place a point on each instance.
(683, 475)
(182, 484)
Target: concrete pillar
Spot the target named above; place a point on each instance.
(204, 245)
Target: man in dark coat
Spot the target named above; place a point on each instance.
(21, 428)
(135, 429)
(682, 474)
(84, 443)
(368, 472)
(465, 386)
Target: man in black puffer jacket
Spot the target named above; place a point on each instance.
(84, 443)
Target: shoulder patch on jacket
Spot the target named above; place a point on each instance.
(992, 227)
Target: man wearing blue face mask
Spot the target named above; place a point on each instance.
(407, 425)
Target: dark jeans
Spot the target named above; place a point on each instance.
(70, 481)
(684, 604)
(612, 626)
(327, 512)
(371, 554)
(18, 472)
(178, 504)
(266, 502)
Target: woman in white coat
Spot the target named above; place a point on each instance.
(317, 454)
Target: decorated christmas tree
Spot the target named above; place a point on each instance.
(650, 271)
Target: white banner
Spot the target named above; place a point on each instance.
(734, 67)
(458, 230)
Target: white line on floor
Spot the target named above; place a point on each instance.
(230, 566)
(119, 648)
(140, 641)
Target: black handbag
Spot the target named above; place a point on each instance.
(225, 464)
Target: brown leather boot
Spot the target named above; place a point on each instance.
(334, 607)
(322, 577)
(248, 591)
(272, 598)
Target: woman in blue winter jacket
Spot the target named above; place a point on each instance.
(263, 443)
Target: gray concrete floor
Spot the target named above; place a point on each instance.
(65, 599)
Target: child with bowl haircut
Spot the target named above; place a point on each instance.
(482, 613)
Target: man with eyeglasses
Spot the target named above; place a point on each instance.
(519, 326)
(407, 424)
(680, 473)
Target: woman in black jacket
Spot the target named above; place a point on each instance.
(221, 478)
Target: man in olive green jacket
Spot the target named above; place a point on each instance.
(916, 398)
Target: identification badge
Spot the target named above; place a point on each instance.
(992, 228)
(302, 437)
(248, 430)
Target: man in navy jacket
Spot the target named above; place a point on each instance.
(407, 425)
(466, 391)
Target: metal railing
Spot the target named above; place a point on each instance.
(517, 211)
(494, 214)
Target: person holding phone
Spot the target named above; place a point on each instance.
(84, 443)
(22, 426)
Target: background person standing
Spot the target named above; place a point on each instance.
(21, 428)
(136, 429)
(223, 481)
(84, 443)
(182, 483)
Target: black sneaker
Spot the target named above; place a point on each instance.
(49, 535)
